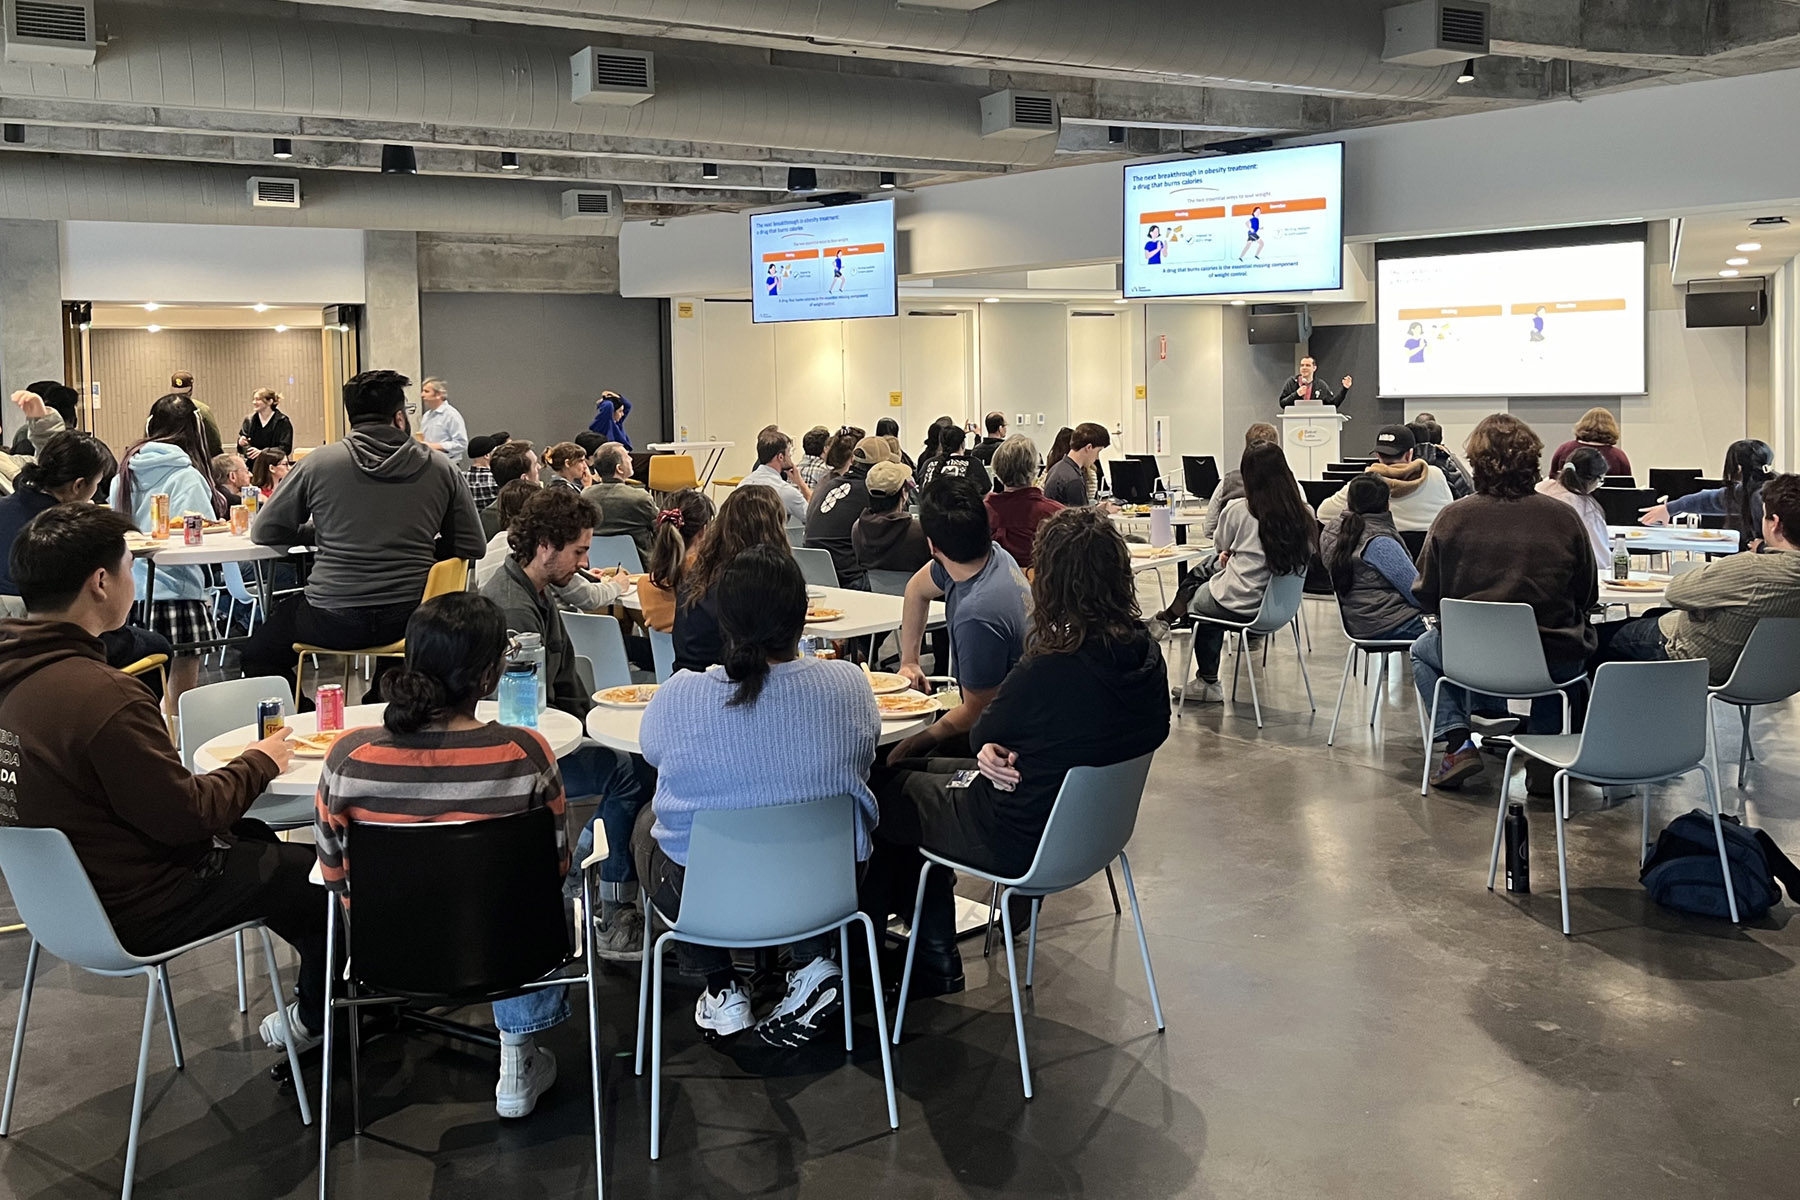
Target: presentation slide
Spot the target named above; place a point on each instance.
(1561, 321)
(818, 264)
(1268, 221)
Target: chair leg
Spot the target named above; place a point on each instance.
(1012, 980)
(1381, 674)
(1187, 665)
(1031, 942)
(137, 1092)
(354, 1025)
(1437, 690)
(1114, 889)
(587, 907)
(1712, 799)
(844, 985)
(1250, 670)
(328, 1062)
(1300, 656)
(1512, 752)
(168, 1004)
(656, 1018)
(887, 1060)
(1300, 615)
(293, 1055)
(1559, 797)
(1237, 663)
(912, 946)
(12, 1072)
(643, 979)
(243, 999)
(987, 935)
(1744, 751)
(1137, 918)
(1349, 668)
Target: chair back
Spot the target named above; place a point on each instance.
(1646, 720)
(1674, 482)
(1768, 670)
(796, 534)
(456, 909)
(1414, 541)
(596, 637)
(1623, 505)
(889, 583)
(1280, 602)
(816, 567)
(234, 584)
(1089, 824)
(1624, 481)
(1318, 491)
(759, 876)
(214, 708)
(662, 654)
(450, 575)
(57, 901)
(672, 472)
(615, 549)
(1494, 647)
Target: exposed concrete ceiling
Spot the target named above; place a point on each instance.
(852, 88)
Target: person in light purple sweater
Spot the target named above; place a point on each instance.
(767, 728)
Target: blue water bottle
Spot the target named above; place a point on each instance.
(519, 687)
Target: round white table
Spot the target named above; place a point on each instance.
(865, 613)
(1675, 539)
(1629, 598)
(561, 730)
(617, 728)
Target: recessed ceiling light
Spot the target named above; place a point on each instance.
(1749, 247)
(1728, 273)
(509, 160)
(259, 308)
(281, 329)
(153, 328)
(1121, 300)
(283, 149)
(1737, 262)
(1237, 304)
(990, 300)
(152, 306)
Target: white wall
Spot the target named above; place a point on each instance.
(1025, 367)
(211, 264)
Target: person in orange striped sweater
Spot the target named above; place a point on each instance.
(432, 760)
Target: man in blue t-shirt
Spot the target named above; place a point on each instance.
(984, 595)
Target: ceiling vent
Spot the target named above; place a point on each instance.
(54, 32)
(1012, 114)
(594, 206)
(1435, 33)
(605, 75)
(273, 191)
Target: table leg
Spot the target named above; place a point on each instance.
(1181, 568)
(149, 587)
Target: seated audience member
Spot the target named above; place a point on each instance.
(1018, 506)
(952, 462)
(272, 466)
(1067, 482)
(1268, 533)
(478, 471)
(568, 464)
(169, 853)
(888, 430)
(1748, 465)
(749, 517)
(1712, 611)
(1231, 485)
(48, 408)
(590, 442)
(886, 536)
(1087, 640)
(932, 448)
(549, 540)
(231, 475)
(984, 595)
(764, 700)
(1430, 438)
(515, 460)
(383, 509)
(1506, 543)
(775, 469)
(838, 450)
(621, 506)
(424, 763)
(678, 529)
(1600, 429)
(983, 451)
(589, 591)
(1059, 449)
(831, 518)
(1420, 491)
(812, 446)
(1371, 572)
(1575, 485)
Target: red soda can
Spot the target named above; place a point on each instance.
(330, 705)
(192, 527)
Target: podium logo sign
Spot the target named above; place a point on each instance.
(1311, 435)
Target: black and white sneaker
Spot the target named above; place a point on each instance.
(814, 1002)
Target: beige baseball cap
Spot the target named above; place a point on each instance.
(887, 478)
(871, 450)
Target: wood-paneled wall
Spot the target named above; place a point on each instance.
(132, 368)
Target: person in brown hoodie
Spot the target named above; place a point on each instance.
(168, 851)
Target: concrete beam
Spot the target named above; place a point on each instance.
(390, 332)
(502, 263)
(31, 346)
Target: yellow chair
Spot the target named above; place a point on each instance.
(672, 472)
(731, 482)
(451, 575)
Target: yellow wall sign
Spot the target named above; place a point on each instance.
(893, 399)
(1140, 391)
(684, 309)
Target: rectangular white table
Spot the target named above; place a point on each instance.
(214, 549)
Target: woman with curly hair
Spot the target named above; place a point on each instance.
(1600, 429)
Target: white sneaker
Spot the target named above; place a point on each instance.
(815, 997)
(526, 1072)
(276, 1024)
(726, 1013)
(1199, 691)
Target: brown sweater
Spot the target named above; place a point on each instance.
(1532, 550)
(89, 755)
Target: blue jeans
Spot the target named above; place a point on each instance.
(1638, 639)
(1455, 704)
(533, 1011)
(1406, 631)
(619, 780)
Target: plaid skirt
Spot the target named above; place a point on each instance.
(183, 622)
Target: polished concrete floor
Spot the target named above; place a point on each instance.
(1350, 1014)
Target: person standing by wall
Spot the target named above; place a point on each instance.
(441, 427)
(267, 427)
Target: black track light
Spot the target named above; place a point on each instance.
(709, 170)
(283, 149)
(888, 182)
(509, 160)
(399, 160)
(1115, 135)
(13, 133)
(802, 180)
(1468, 72)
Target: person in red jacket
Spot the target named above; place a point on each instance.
(1016, 511)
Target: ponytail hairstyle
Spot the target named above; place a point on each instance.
(1288, 531)
(455, 652)
(1583, 471)
(176, 420)
(67, 457)
(762, 610)
(687, 516)
(1366, 494)
(1748, 465)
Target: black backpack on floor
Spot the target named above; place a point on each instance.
(1683, 871)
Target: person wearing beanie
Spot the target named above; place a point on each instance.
(836, 505)
(887, 537)
(1418, 491)
(478, 473)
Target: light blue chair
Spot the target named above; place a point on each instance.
(57, 902)
(662, 653)
(1280, 606)
(1767, 672)
(763, 877)
(816, 567)
(1092, 819)
(597, 638)
(616, 549)
(796, 534)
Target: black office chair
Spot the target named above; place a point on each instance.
(1319, 490)
(447, 915)
(1623, 506)
(1704, 484)
(1619, 481)
(1674, 483)
(1414, 541)
(1200, 474)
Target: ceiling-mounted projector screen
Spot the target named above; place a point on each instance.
(820, 264)
(1266, 221)
(1545, 320)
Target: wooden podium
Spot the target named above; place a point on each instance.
(1309, 435)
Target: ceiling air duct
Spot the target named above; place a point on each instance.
(58, 33)
(1435, 33)
(1015, 114)
(604, 75)
(273, 191)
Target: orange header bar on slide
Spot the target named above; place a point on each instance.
(1568, 306)
(1313, 204)
(1181, 214)
(873, 248)
(790, 255)
(1438, 314)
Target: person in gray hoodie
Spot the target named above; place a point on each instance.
(380, 510)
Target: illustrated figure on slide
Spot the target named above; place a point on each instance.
(773, 282)
(1253, 234)
(1537, 325)
(1154, 247)
(837, 272)
(1415, 343)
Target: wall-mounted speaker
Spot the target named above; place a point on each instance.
(1714, 310)
(1279, 324)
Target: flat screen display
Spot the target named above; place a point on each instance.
(819, 264)
(1550, 321)
(1267, 221)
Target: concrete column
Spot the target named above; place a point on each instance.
(31, 346)
(390, 338)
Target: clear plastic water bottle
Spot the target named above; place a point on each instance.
(531, 649)
(518, 694)
(1621, 560)
(808, 647)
